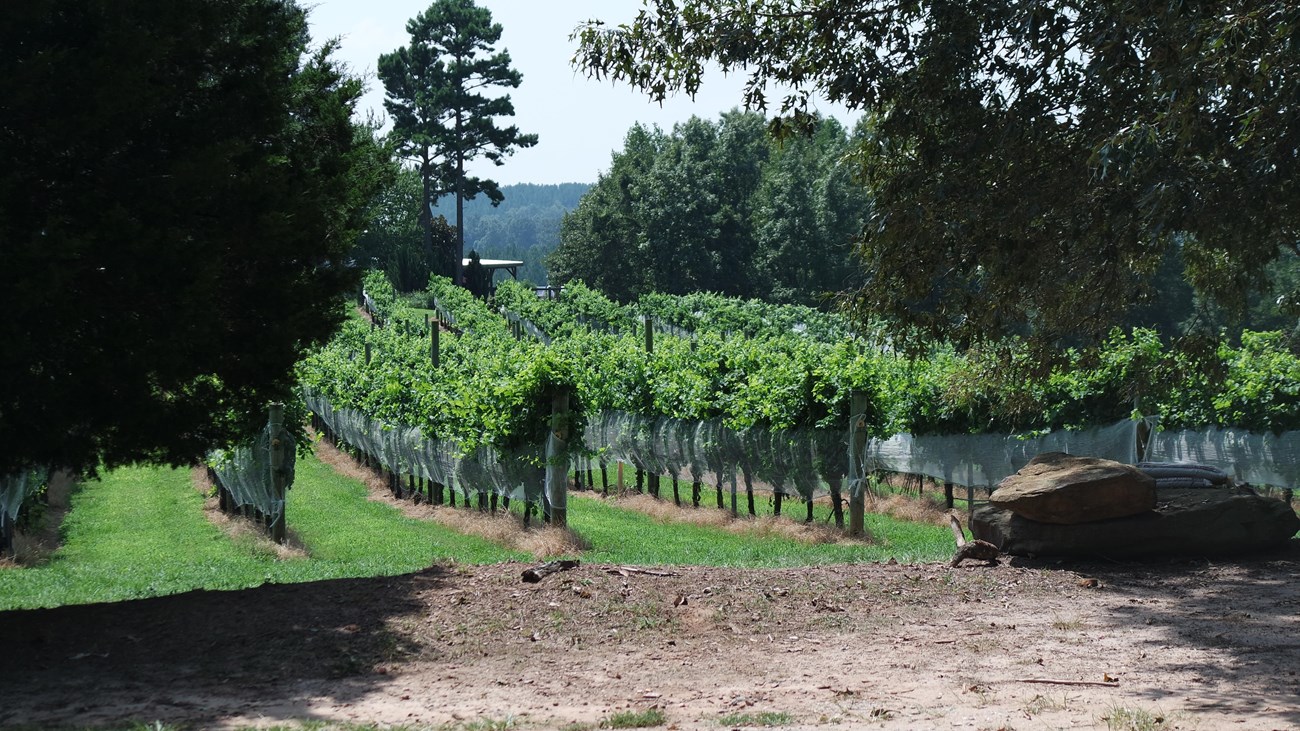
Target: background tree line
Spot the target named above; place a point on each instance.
(718, 206)
(727, 207)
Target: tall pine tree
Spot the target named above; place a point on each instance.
(441, 118)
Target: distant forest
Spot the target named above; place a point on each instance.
(525, 227)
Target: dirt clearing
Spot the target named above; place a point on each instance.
(1204, 645)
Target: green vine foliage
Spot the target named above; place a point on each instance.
(493, 389)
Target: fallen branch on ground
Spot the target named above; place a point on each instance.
(1045, 681)
(537, 573)
(629, 570)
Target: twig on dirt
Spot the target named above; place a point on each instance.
(629, 570)
(1047, 681)
(537, 573)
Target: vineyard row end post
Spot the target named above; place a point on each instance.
(557, 467)
(276, 425)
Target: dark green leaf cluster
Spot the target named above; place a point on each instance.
(1030, 163)
(181, 188)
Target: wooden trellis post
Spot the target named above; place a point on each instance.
(279, 481)
(557, 468)
(858, 443)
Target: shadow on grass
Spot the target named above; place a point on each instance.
(202, 655)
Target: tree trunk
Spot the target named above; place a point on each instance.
(426, 212)
(460, 201)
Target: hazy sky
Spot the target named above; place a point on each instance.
(580, 122)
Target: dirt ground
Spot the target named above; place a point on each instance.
(1208, 645)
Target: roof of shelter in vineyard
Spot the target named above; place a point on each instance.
(509, 265)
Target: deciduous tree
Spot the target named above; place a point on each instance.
(392, 238)
(1029, 162)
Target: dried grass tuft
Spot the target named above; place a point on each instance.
(345, 465)
(507, 529)
(909, 508)
(665, 511)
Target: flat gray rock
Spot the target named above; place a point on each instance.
(1194, 522)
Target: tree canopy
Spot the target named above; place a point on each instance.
(182, 187)
(441, 117)
(718, 207)
(1030, 163)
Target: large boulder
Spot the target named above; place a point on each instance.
(1200, 522)
(1062, 488)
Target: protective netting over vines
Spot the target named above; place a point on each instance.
(246, 472)
(984, 459)
(812, 462)
(517, 474)
(14, 489)
(1260, 459)
(804, 462)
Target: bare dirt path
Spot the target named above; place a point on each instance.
(1205, 645)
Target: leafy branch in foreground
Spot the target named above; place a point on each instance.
(1029, 164)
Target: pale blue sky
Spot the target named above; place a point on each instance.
(580, 122)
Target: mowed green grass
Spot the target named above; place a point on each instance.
(142, 532)
(628, 537)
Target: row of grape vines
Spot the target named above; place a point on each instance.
(739, 389)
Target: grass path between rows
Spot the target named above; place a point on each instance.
(143, 531)
(624, 536)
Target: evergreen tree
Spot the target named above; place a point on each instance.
(181, 189)
(441, 118)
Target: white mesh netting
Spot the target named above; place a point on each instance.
(807, 463)
(406, 450)
(804, 462)
(1260, 459)
(979, 460)
(246, 472)
(14, 489)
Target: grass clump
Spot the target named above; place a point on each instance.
(1119, 718)
(622, 535)
(648, 718)
(764, 719)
